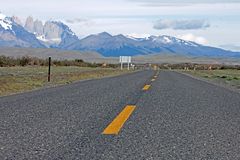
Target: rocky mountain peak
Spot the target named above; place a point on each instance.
(38, 27)
(29, 25)
(17, 20)
(52, 30)
(105, 35)
(51, 33)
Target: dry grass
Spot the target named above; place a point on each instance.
(225, 77)
(20, 79)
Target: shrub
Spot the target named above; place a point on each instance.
(24, 61)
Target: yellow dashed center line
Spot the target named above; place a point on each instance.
(115, 126)
(146, 87)
(153, 80)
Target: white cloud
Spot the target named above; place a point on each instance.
(81, 22)
(76, 20)
(193, 38)
(181, 24)
(181, 2)
(134, 16)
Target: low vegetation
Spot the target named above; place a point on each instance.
(33, 61)
(194, 66)
(229, 77)
(25, 73)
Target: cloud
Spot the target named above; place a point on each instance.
(181, 24)
(193, 38)
(76, 20)
(181, 2)
(81, 22)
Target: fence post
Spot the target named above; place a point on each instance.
(49, 69)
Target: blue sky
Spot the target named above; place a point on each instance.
(210, 22)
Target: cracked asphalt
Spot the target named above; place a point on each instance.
(179, 117)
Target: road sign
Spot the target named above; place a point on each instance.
(125, 59)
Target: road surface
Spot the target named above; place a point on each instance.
(175, 117)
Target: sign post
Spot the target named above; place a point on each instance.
(121, 62)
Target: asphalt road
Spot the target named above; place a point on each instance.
(178, 117)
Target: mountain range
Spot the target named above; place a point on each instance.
(13, 34)
(55, 34)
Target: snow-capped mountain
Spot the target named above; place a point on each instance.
(107, 45)
(5, 22)
(118, 45)
(55, 34)
(52, 33)
(14, 35)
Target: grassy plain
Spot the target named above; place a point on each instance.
(228, 77)
(21, 79)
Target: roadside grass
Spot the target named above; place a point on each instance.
(21, 79)
(227, 77)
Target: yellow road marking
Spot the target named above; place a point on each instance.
(153, 80)
(146, 87)
(118, 122)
